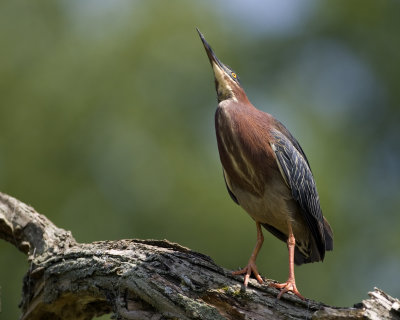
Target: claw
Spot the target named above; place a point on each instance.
(290, 284)
(287, 286)
(250, 268)
(251, 265)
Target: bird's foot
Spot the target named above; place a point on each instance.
(287, 286)
(250, 268)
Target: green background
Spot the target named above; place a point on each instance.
(106, 126)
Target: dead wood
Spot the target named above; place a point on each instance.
(146, 279)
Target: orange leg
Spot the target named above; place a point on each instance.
(290, 284)
(251, 265)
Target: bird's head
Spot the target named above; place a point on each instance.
(227, 81)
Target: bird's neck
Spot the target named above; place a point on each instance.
(239, 99)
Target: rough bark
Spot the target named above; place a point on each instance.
(146, 279)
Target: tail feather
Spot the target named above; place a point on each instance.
(306, 252)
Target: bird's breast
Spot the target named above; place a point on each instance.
(243, 144)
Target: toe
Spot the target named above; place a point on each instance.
(286, 287)
(278, 285)
(248, 270)
(241, 271)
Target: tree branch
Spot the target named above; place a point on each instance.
(146, 279)
(30, 231)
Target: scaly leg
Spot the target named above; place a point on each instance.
(251, 265)
(290, 284)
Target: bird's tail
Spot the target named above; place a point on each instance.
(308, 252)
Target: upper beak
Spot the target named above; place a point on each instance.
(210, 53)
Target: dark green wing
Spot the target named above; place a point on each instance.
(297, 174)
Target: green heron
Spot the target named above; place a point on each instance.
(267, 173)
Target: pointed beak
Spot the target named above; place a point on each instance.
(210, 53)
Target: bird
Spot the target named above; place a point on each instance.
(267, 173)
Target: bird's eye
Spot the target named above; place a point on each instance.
(234, 75)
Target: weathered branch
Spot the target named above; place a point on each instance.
(146, 279)
(31, 232)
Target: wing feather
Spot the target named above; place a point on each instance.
(297, 174)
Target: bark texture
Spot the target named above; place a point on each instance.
(146, 279)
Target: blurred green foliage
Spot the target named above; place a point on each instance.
(106, 126)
